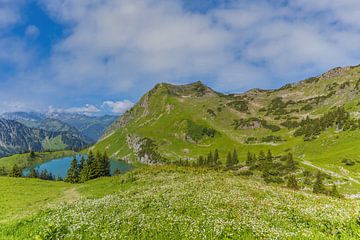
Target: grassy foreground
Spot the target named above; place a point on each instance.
(167, 202)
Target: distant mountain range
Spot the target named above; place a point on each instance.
(16, 137)
(24, 131)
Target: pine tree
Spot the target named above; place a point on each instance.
(262, 155)
(117, 172)
(97, 166)
(33, 173)
(200, 161)
(290, 163)
(32, 154)
(73, 172)
(91, 166)
(105, 164)
(292, 183)
(16, 171)
(249, 159)
(235, 157)
(210, 159)
(216, 157)
(334, 192)
(82, 163)
(318, 185)
(229, 160)
(269, 156)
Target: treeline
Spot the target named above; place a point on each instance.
(339, 118)
(211, 160)
(281, 169)
(44, 174)
(94, 167)
(272, 168)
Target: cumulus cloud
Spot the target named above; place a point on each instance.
(88, 109)
(112, 47)
(117, 107)
(32, 31)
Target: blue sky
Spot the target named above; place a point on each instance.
(100, 56)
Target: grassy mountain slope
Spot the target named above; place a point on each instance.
(188, 120)
(165, 202)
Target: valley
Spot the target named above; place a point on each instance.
(264, 164)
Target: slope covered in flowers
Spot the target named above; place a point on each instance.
(182, 203)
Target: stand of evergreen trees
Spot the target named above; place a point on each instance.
(94, 167)
(273, 169)
(339, 118)
(44, 174)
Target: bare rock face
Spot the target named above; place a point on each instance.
(143, 149)
(335, 72)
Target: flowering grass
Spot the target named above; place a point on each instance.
(167, 202)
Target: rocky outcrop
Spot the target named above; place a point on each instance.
(144, 148)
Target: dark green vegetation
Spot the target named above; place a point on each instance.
(94, 167)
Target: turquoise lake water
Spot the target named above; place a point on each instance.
(59, 167)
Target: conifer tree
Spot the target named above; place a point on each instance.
(261, 155)
(73, 172)
(97, 166)
(318, 185)
(269, 156)
(16, 171)
(105, 164)
(290, 163)
(216, 157)
(229, 160)
(249, 159)
(91, 166)
(235, 157)
(82, 163)
(210, 159)
(292, 183)
(200, 161)
(334, 192)
(32, 154)
(33, 173)
(87, 172)
(117, 172)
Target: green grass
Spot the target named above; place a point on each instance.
(165, 202)
(23, 196)
(53, 144)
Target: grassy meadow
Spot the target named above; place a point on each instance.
(166, 202)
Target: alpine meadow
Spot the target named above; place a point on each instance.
(181, 119)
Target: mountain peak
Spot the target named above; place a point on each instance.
(197, 89)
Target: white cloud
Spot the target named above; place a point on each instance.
(120, 46)
(88, 109)
(32, 31)
(117, 107)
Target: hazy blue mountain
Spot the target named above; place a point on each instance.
(90, 128)
(16, 137)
